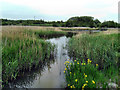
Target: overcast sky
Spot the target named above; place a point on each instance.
(51, 10)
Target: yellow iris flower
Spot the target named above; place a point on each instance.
(93, 81)
(76, 80)
(68, 84)
(96, 65)
(85, 75)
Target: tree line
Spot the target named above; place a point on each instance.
(83, 21)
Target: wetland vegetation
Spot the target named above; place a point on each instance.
(93, 57)
(23, 50)
(83, 21)
(95, 61)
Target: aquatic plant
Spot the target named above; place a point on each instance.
(85, 76)
(96, 60)
(102, 49)
(22, 51)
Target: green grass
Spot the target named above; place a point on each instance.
(22, 50)
(75, 29)
(78, 74)
(21, 55)
(101, 50)
(0, 75)
(49, 34)
(39, 25)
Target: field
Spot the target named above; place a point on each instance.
(95, 60)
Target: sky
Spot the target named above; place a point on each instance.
(56, 10)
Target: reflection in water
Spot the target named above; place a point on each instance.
(27, 80)
(51, 74)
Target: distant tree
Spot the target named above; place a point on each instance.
(109, 24)
(97, 23)
(118, 25)
(83, 21)
(55, 25)
(69, 24)
(86, 21)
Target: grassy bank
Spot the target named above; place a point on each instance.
(22, 50)
(49, 34)
(0, 75)
(82, 29)
(95, 61)
(78, 29)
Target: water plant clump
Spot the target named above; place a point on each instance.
(49, 34)
(20, 55)
(85, 75)
(22, 51)
(102, 49)
(96, 61)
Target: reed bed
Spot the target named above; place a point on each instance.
(102, 49)
(50, 34)
(22, 51)
(95, 62)
(78, 29)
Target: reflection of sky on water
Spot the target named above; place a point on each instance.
(51, 75)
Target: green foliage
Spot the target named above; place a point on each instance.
(83, 21)
(78, 29)
(103, 49)
(109, 24)
(24, 52)
(81, 74)
(55, 25)
(97, 23)
(20, 55)
(49, 34)
(0, 75)
(25, 22)
(97, 57)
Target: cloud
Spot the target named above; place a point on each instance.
(98, 8)
(52, 7)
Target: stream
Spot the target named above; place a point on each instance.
(52, 74)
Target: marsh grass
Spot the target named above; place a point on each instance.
(103, 51)
(84, 75)
(22, 50)
(78, 29)
(49, 34)
(0, 75)
(81, 74)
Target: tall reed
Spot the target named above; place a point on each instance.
(95, 61)
(102, 49)
(23, 50)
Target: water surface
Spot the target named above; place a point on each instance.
(52, 74)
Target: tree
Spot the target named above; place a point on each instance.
(109, 24)
(55, 25)
(97, 23)
(86, 21)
